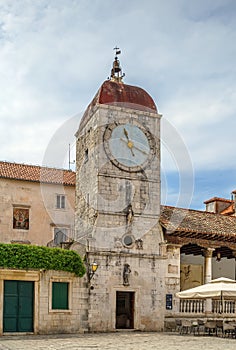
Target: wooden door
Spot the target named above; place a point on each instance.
(18, 308)
(124, 310)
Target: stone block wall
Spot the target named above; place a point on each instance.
(146, 281)
(74, 320)
(104, 191)
(46, 320)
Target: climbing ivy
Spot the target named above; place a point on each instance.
(22, 256)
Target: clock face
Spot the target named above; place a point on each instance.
(129, 146)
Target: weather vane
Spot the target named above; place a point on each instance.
(116, 71)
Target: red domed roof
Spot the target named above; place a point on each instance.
(121, 95)
(116, 93)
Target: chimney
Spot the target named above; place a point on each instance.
(218, 205)
(234, 200)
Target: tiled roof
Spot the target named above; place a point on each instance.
(229, 210)
(36, 173)
(218, 199)
(196, 221)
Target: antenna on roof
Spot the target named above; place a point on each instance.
(70, 163)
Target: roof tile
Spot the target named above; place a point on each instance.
(36, 173)
(188, 220)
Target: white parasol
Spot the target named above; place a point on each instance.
(220, 287)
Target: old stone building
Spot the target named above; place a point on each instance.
(37, 204)
(37, 208)
(118, 207)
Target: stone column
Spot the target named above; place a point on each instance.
(173, 275)
(163, 248)
(208, 264)
(234, 255)
(208, 274)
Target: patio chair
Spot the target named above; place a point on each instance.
(201, 326)
(178, 325)
(219, 327)
(210, 327)
(186, 326)
(229, 329)
(194, 327)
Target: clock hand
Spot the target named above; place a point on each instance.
(135, 147)
(140, 150)
(131, 150)
(130, 145)
(126, 134)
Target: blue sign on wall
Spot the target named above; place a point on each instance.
(168, 301)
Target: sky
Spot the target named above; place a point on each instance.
(55, 54)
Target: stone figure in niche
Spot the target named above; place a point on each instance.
(126, 274)
(130, 215)
(139, 243)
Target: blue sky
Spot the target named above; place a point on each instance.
(54, 55)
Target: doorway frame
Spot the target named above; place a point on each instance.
(128, 298)
(20, 275)
(136, 311)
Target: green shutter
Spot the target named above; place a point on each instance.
(60, 295)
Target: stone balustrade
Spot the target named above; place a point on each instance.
(188, 306)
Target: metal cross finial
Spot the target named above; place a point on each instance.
(116, 71)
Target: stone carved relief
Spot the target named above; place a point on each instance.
(118, 243)
(190, 276)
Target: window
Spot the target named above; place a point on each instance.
(60, 235)
(21, 218)
(60, 202)
(60, 295)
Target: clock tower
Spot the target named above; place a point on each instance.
(118, 206)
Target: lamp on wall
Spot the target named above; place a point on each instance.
(92, 269)
(218, 256)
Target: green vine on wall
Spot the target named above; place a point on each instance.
(22, 256)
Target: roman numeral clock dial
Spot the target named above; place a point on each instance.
(129, 146)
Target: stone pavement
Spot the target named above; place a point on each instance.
(118, 340)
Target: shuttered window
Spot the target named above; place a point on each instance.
(60, 294)
(60, 201)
